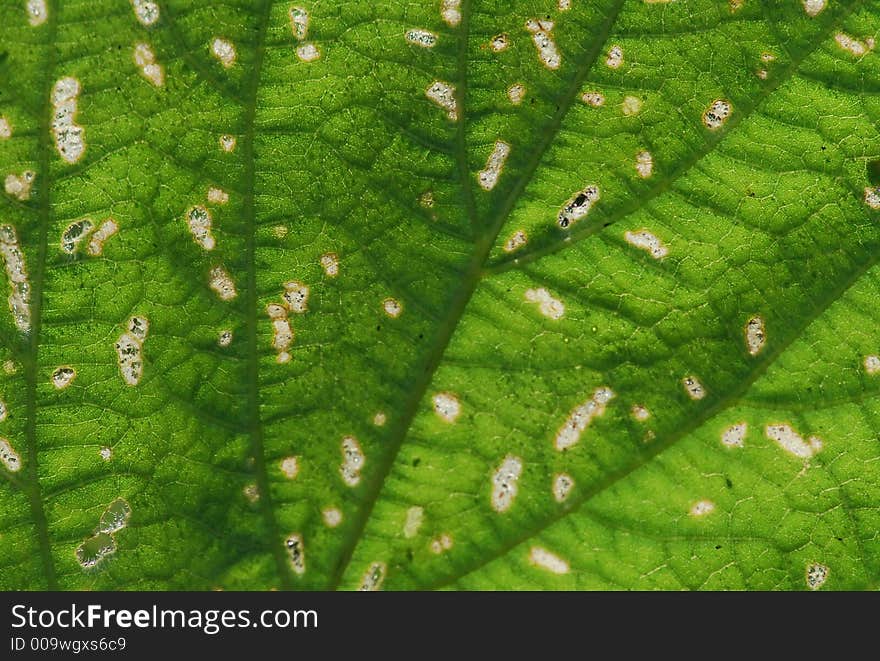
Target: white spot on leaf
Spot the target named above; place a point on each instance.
(374, 577)
(129, 349)
(420, 37)
(499, 43)
(217, 196)
(547, 560)
(16, 272)
(441, 544)
(96, 243)
(227, 142)
(296, 297)
(296, 553)
(308, 52)
(872, 364)
(755, 335)
(516, 93)
(580, 418)
(717, 114)
(443, 95)
(379, 419)
(792, 442)
(644, 164)
(542, 36)
(816, 575)
(702, 508)
(69, 137)
(330, 264)
(734, 436)
(225, 338)
(5, 129)
(332, 516)
(299, 22)
(9, 456)
(693, 387)
(62, 377)
(639, 413)
(853, 45)
(631, 105)
(813, 7)
(290, 467)
(488, 177)
(562, 486)
(450, 12)
(516, 241)
(414, 517)
(578, 206)
(646, 240)
(504, 483)
(614, 59)
(595, 99)
(222, 284)
(19, 186)
(224, 51)
(145, 59)
(447, 406)
(146, 11)
(74, 234)
(352, 461)
(282, 333)
(37, 12)
(550, 307)
(392, 307)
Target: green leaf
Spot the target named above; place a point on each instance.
(565, 295)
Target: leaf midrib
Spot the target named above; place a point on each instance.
(473, 273)
(31, 348)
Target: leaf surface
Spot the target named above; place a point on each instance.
(373, 355)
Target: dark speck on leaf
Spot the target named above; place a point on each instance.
(416, 462)
(873, 168)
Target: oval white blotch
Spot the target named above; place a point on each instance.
(421, 37)
(488, 176)
(563, 483)
(717, 114)
(374, 577)
(516, 93)
(353, 460)
(9, 456)
(446, 406)
(62, 377)
(578, 206)
(547, 560)
(580, 418)
(332, 516)
(443, 95)
(290, 467)
(734, 436)
(872, 364)
(702, 508)
(504, 483)
(693, 387)
(392, 307)
(542, 37)
(330, 264)
(614, 58)
(792, 442)
(146, 11)
(224, 51)
(414, 517)
(516, 241)
(646, 240)
(755, 335)
(816, 575)
(639, 413)
(814, 7)
(550, 307)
